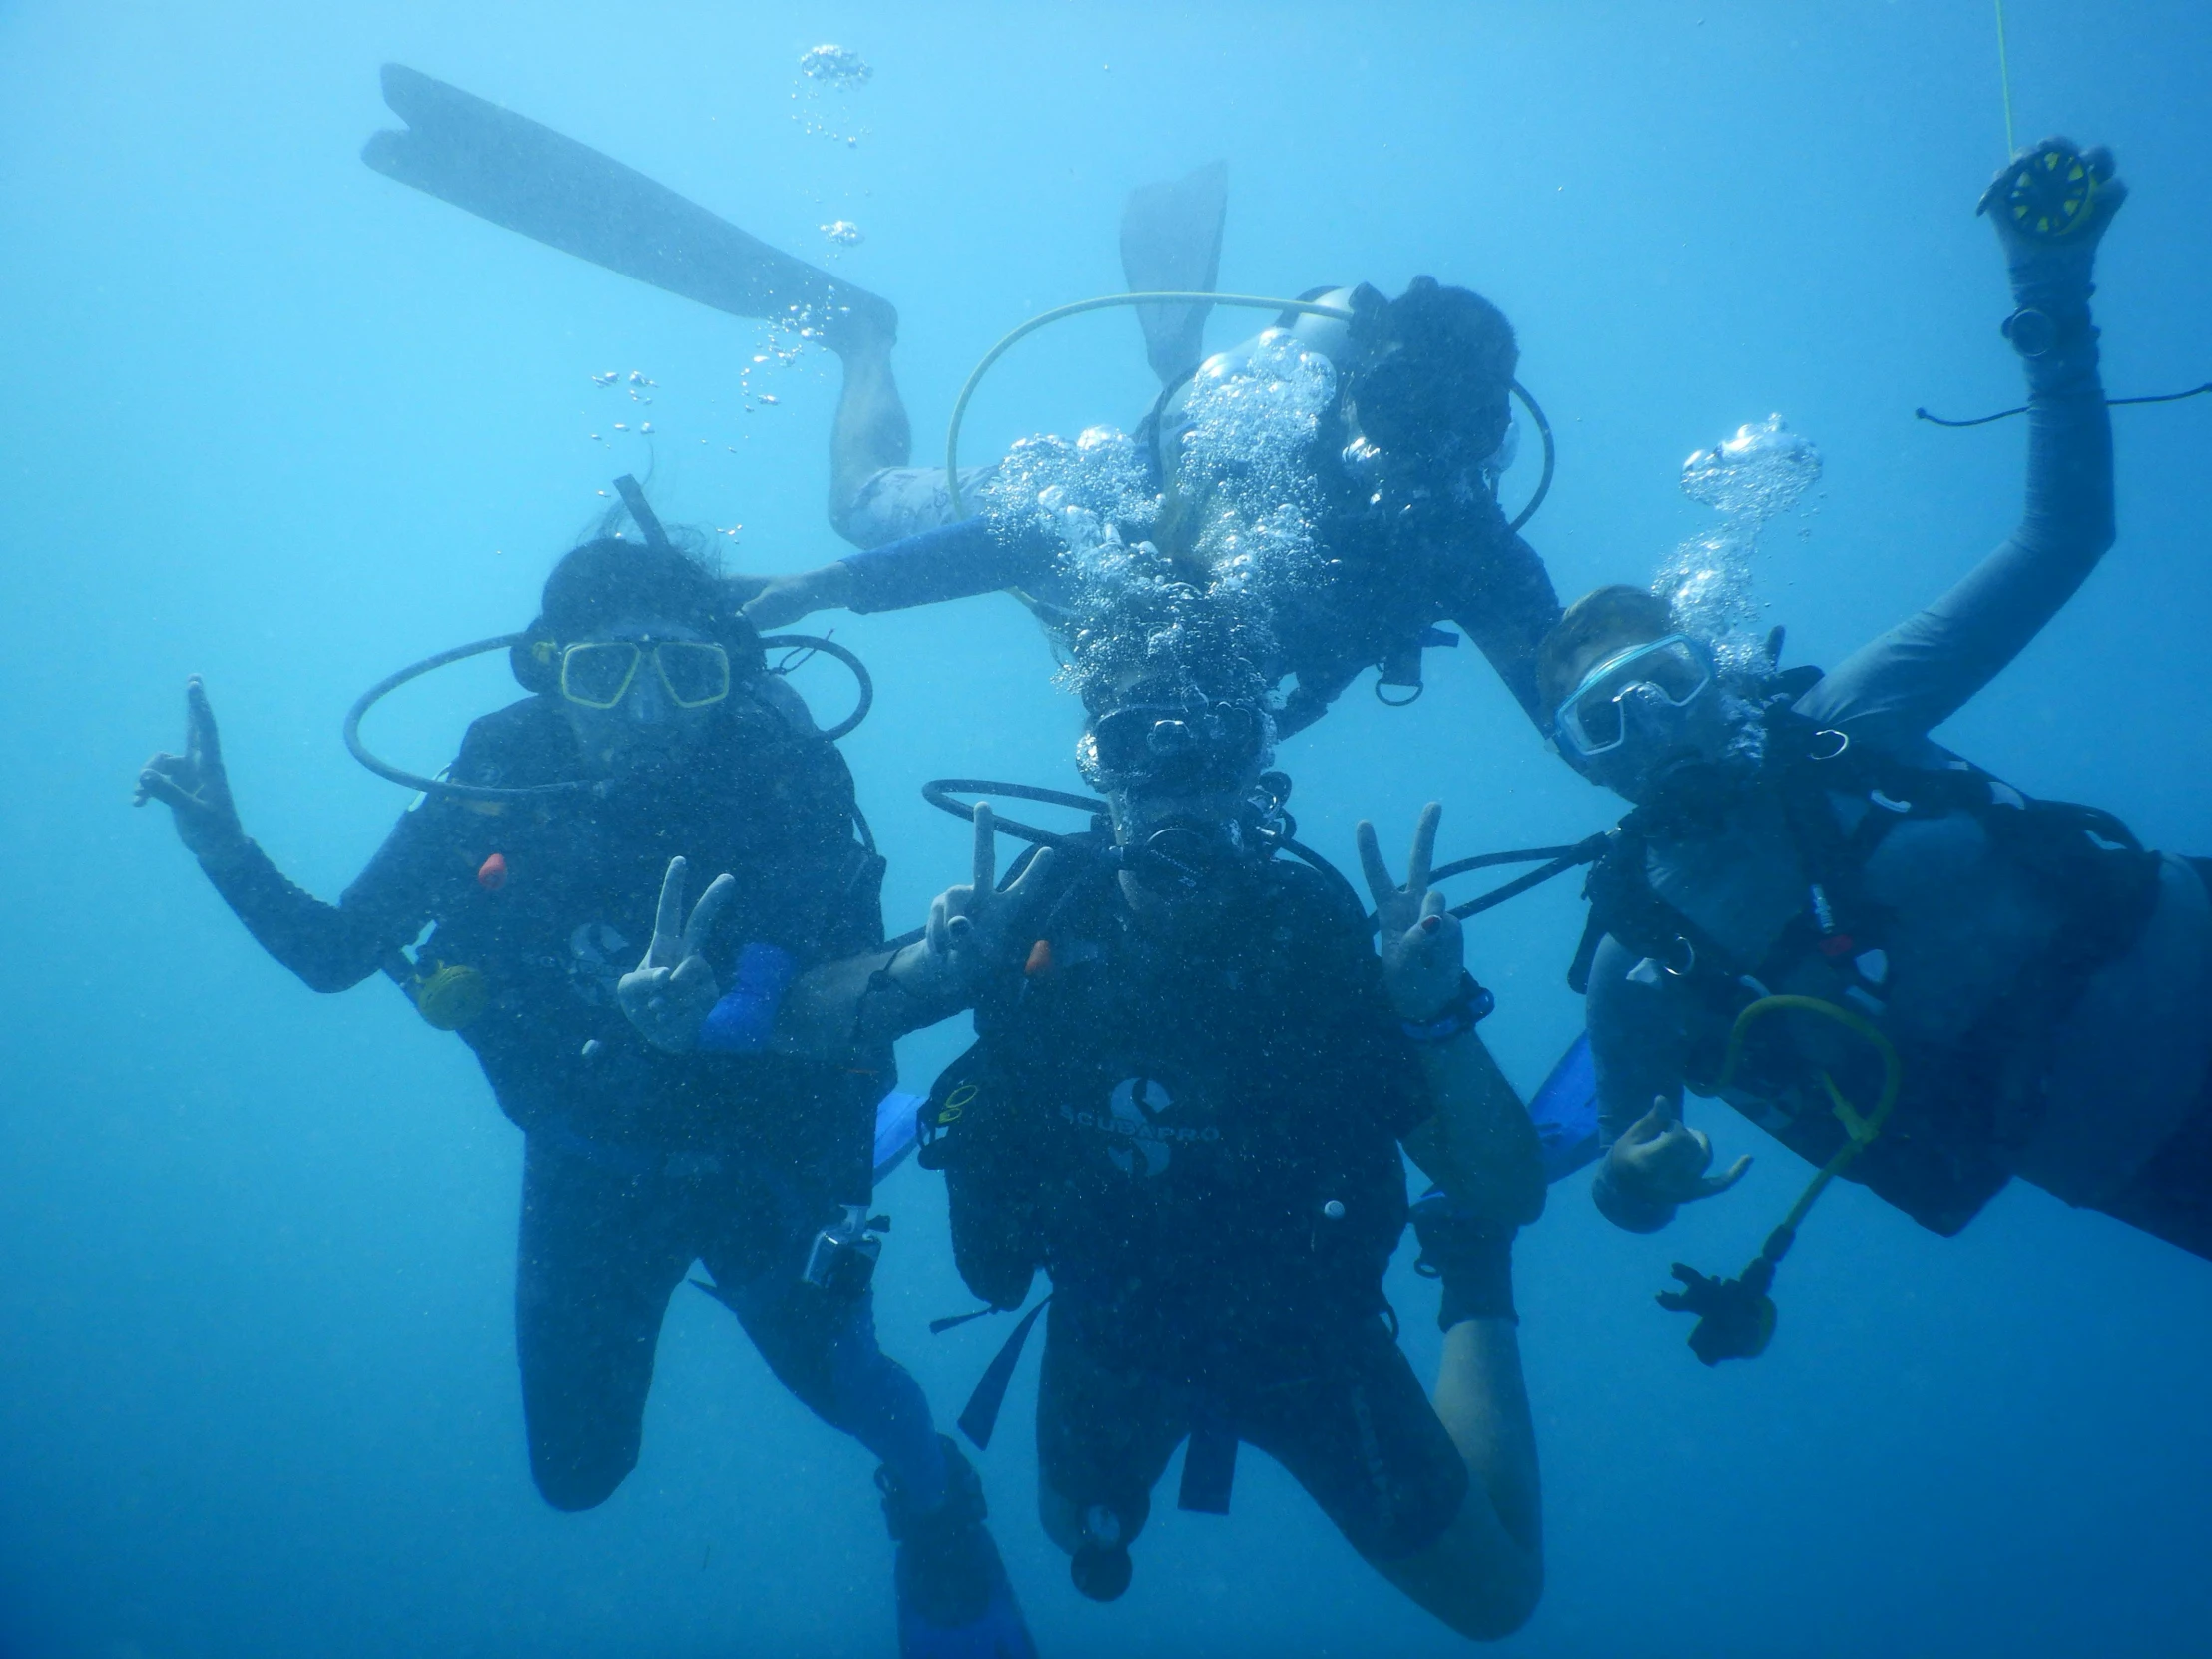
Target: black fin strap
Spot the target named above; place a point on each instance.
(981, 1416)
(1208, 1466)
(939, 1326)
(1585, 955)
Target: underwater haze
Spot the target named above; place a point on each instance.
(280, 421)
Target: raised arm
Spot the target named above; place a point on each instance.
(331, 947)
(1507, 606)
(1478, 1143)
(2050, 206)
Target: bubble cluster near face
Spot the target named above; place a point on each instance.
(1750, 479)
(1180, 588)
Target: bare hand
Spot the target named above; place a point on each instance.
(193, 786)
(783, 600)
(1424, 949)
(673, 990)
(969, 925)
(1662, 1159)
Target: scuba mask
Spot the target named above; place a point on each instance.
(598, 674)
(1640, 704)
(1173, 747)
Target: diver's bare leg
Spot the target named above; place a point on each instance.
(871, 431)
(1485, 1576)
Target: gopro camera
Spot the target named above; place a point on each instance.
(843, 1258)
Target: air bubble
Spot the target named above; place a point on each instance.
(834, 66)
(1749, 479)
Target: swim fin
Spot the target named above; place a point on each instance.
(954, 1600)
(1171, 242)
(897, 1130)
(1566, 1112)
(510, 170)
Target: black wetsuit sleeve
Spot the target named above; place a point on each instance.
(1506, 606)
(951, 562)
(1897, 689)
(332, 947)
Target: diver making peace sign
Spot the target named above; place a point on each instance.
(1192, 1078)
(685, 1131)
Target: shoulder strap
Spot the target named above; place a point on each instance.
(1624, 905)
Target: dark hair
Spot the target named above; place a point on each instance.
(607, 579)
(1615, 616)
(1456, 325)
(1449, 376)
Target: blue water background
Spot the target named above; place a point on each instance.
(274, 418)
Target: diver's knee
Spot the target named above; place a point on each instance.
(573, 1485)
(1504, 1602)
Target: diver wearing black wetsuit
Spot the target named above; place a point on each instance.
(640, 1160)
(1186, 1102)
(1405, 462)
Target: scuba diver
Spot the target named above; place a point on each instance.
(1186, 1102)
(652, 721)
(1905, 969)
(1406, 463)
(1407, 460)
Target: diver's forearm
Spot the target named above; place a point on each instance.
(954, 562)
(1478, 1144)
(1512, 605)
(852, 1007)
(1911, 679)
(2068, 511)
(329, 949)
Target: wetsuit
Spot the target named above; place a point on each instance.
(2040, 1038)
(1399, 561)
(1164, 1128)
(637, 1162)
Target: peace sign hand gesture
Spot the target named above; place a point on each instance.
(1423, 947)
(969, 925)
(193, 786)
(673, 990)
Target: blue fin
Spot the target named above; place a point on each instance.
(1566, 1112)
(1000, 1633)
(895, 1130)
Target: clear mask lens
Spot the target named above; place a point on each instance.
(598, 673)
(1673, 669)
(696, 673)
